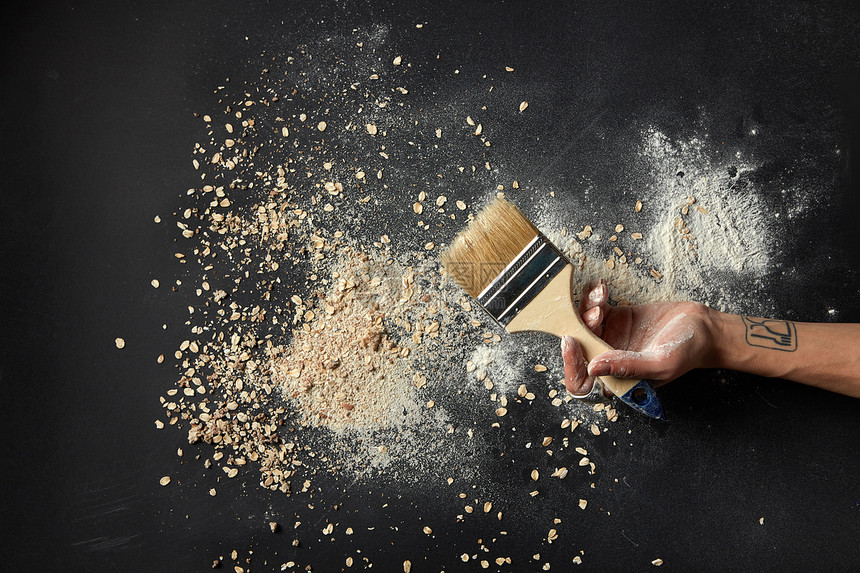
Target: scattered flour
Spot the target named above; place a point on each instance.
(698, 236)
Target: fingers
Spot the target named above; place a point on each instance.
(627, 364)
(576, 378)
(593, 305)
(593, 319)
(593, 294)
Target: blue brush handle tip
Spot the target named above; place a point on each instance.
(643, 398)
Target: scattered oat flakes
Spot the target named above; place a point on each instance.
(165, 480)
(585, 233)
(120, 343)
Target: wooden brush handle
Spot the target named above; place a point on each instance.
(553, 311)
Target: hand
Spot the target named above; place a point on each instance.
(658, 342)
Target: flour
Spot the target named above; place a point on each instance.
(507, 362)
(727, 221)
(699, 235)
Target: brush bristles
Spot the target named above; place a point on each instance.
(487, 245)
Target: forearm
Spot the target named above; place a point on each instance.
(823, 355)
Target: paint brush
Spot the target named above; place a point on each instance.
(525, 283)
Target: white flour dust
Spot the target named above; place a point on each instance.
(694, 234)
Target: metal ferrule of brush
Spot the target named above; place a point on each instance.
(522, 280)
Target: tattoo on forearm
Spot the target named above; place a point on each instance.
(771, 333)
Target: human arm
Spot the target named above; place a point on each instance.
(824, 355)
(662, 341)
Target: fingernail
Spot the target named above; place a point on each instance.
(566, 342)
(592, 314)
(596, 293)
(598, 368)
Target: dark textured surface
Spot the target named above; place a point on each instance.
(96, 111)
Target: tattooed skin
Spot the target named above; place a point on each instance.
(771, 333)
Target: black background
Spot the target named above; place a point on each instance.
(96, 114)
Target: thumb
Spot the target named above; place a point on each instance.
(626, 364)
